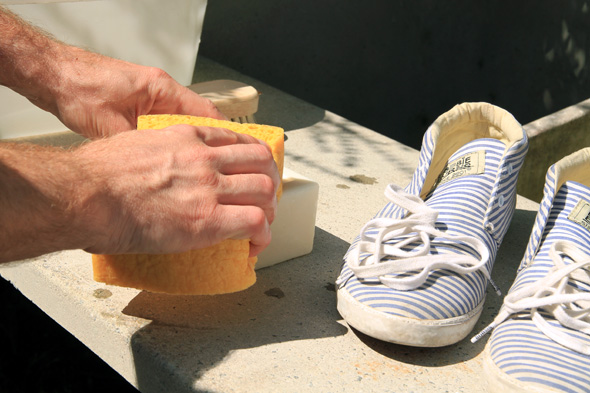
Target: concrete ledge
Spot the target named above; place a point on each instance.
(284, 333)
(551, 138)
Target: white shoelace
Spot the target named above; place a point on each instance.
(419, 225)
(568, 305)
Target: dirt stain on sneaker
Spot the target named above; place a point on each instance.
(363, 179)
(342, 186)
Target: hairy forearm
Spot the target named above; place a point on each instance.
(41, 194)
(30, 60)
(149, 191)
(91, 94)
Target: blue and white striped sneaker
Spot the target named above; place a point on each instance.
(541, 336)
(417, 273)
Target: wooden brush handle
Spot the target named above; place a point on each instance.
(234, 99)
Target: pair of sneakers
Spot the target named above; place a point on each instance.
(417, 273)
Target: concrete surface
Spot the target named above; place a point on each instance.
(551, 138)
(284, 333)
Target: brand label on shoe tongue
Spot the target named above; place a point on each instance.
(581, 214)
(473, 163)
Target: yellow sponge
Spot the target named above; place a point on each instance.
(222, 268)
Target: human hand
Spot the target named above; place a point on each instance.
(94, 95)
(100, 96)
(178, 189)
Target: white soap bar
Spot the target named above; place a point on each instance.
(293, 229)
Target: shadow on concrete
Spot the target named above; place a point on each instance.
(189, 338)
(342, 148)
(405, 62)
(274, 107)
(189, 335)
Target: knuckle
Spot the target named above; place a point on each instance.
(209, 178)
(263, 152)
(179, 132)
(208, 105)
(267, 188)
(200, 133)
(158, 73)
(257, 220)
(217, 136)
(271, 215)
(232, 136)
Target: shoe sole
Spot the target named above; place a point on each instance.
(403, 330)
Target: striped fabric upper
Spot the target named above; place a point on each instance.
(478, 205)
(542, 217)
(517, 347)
(462, 206)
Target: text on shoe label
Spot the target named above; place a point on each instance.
(581, 214)
(469, 164)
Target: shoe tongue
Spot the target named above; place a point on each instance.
(463, 163)
(473, 158)
(580, 214)
(572, 204)
(569, 218)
